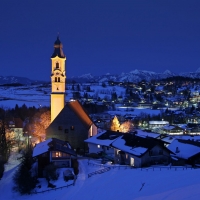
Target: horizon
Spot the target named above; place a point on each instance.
(176, 74)
(100, 37)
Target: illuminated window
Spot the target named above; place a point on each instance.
(58, 154)
(57, 65)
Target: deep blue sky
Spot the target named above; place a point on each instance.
(99, 36)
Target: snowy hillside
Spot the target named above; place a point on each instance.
(138, 184)
(29, 95)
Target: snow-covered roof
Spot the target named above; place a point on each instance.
(158, 122)
(41, 148)
(168, 127)
(147, 134)
(183, 150)
(168, 139)
(104, 142)
(55, 144)
(120, 144)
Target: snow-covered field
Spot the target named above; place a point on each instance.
(39, 96)
(29, 95)
(125, 184)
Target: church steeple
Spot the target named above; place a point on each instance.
(58, 49)
(58, 79)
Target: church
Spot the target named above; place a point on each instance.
(69, 120)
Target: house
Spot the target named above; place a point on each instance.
(72, 124)
(16, 131)
(172, 130)
(138, 151)
(102, 143)
(185, 152)
(53, 151)
(157, 124)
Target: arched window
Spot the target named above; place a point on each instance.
(56, 79)
(57, 65)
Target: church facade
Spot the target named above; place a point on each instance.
(69, 121)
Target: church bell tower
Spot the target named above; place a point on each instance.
(58, 79)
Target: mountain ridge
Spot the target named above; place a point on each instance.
(132, 76)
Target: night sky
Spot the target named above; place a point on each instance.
(99, 36)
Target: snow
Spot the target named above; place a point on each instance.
(147, 134)
(95, 140)
(167, 72)
(168, 127)
(185, 150)
(118, 183)
(135, 111)
(31, 96)
(120, 144)
(158, 122)
(41, 148)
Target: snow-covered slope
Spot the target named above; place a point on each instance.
(135, 184)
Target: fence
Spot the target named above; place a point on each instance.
(175, 168)
(99, 171)
(143, 168)
(52, 189)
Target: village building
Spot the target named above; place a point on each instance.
(101, 144)
(157, 124)
(186, 151)
(138, 151)
(72, 124)
(172, 130)
(69, 121)
(54, 151)
(16, 131)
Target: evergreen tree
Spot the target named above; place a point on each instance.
(78, 87)
(23, 179)
(103, 84)
(3, 143)
(1, 168)
(114, 96)
(88, 89)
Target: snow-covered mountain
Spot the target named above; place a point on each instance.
(134, 76)
(15, 79)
